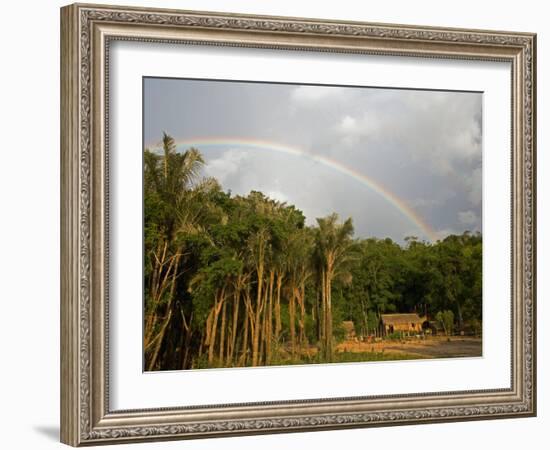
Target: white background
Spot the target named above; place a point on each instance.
(132, 389)
(29, 226)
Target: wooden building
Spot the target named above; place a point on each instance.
(401, 323)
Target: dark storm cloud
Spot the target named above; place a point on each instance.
(423, 146)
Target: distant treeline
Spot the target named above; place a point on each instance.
(242, 281)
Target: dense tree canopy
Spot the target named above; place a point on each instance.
(241, 280)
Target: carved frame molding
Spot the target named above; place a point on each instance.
(86, 32)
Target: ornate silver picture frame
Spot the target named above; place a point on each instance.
(87, 34)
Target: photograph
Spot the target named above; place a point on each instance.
(292, 224)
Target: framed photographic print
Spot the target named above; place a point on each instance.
(276, 224)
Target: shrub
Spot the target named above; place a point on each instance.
(446, 319)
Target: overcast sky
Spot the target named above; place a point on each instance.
(423, 148)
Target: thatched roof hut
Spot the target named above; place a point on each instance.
(410, 323)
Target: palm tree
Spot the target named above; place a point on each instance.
(168, 181)
(333, 243)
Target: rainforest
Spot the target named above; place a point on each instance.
(244, 280)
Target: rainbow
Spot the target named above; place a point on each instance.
(370, 183)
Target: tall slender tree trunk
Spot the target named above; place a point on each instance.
(156, 291)
(269, 319)
(208, 330)
(218, 302)
(263, 325)
(292, 320)
(244, 348)
(159, 340)
(302, 319)
(154, 285)
(231, 349)
(212, 336)
(323, 313)
(222, 333)
(278, 325)
(172, 273)
(251, 323)
(257, 325)
(328, 320)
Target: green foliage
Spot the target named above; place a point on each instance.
(474, 327)
(395, 336)
(446, 319)
(205, 248)
(339, 332)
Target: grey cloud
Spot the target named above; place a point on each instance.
(423, 146)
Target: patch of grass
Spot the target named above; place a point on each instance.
(372, 356)
(345, 357)
(316, 358)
